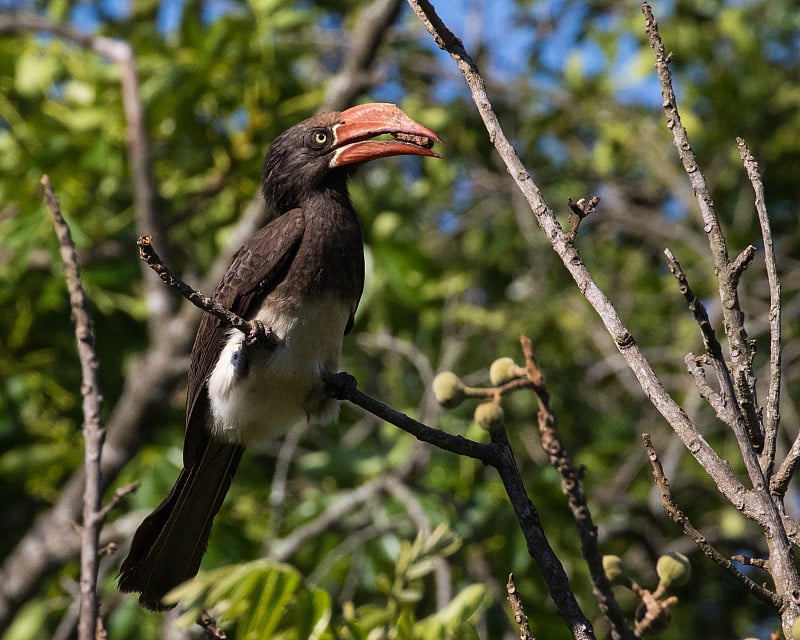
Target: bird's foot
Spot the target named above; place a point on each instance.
(257, 337)
(258, 334)
(337, 385)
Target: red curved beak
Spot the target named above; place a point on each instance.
(358, 125)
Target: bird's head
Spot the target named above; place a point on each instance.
(321, 151)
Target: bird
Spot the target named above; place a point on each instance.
(299, 278)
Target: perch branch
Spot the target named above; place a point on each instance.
(497, 454)
(93, 432)
(149, 255)
(679, 518)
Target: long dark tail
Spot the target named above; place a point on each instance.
(169, 544)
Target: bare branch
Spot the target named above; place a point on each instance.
(695, 366)
(517, 609)
(727, 273)
(93, 432)
(725, 404)
(251, 329)
(772, 415)
(147, 387)
(119, 495)
(783, 569)
(679, 518)
(538, 546)
(720, 472)
(572, 486)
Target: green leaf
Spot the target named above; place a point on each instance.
(35, 71)
(456, 614)
(262, 599)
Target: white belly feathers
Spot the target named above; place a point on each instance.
(283, 387)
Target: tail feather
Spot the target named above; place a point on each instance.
(168, 546)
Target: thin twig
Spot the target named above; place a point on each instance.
(93, 432)
(727, 273)
(149, 255)
(780, 481)
(761, 563)
(572, 486)
(119, 495)
(580, 210)
(772, 415)
(725, 403)
(694, 364)
(653, 615)
(740, 264)
(520, 617)
(679, 518)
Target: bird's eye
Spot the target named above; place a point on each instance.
(320, 138)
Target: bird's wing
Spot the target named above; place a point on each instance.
(255, 270)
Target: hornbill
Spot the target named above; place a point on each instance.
(301, 276)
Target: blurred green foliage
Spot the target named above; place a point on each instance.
(457, 271)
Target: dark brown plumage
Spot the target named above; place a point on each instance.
(302, 274)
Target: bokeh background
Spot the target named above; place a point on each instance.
(457, 270)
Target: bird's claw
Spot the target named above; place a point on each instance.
(337, 385)
(257, 334)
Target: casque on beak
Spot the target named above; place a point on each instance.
(358, 125)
